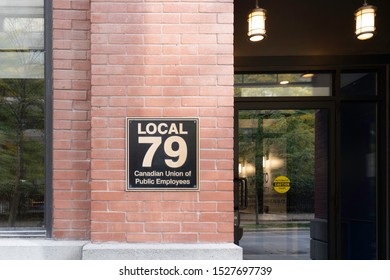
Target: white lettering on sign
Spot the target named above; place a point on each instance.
(147, 181)
(161, 129)
(155, 143)
(180, 153)
(175, 147)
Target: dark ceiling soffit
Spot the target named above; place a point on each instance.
(247, 63)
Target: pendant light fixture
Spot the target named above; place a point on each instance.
(256, 24)
(365, 21)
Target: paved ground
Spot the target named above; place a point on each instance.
(251, 217)
(289, 244)
(273, 242)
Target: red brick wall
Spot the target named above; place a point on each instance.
(71, 119)
(149, 59)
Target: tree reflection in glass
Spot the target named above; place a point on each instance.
(22, 184)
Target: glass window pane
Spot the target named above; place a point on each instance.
(358, 84)
(22, 65)
(22, 146)
(283, 85)
(358, 180)
(21, 39)
(284, 221)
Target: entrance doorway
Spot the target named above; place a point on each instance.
(283, 161)
(306, 165)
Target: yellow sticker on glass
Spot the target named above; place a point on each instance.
(282, 184)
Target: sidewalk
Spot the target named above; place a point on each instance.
(251, 217)
(276, 237)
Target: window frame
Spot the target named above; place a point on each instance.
(48, 138)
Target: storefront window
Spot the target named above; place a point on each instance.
(22, 113)
(282, 84)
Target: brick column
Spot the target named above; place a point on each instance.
(162, 59)
(71, 119)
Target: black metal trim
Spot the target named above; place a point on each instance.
(387, 172)
(48, 118)
(383, 163)
(299, 63)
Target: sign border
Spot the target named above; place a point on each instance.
(196, 120)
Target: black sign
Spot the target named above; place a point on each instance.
(162, 154)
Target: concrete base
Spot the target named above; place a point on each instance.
(40, 249)
(47, 249)
(136, 251)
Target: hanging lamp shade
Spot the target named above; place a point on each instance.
(256, 24)
(365, 21)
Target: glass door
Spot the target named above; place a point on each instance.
(283, 158)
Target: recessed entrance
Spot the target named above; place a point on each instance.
(307, 157)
